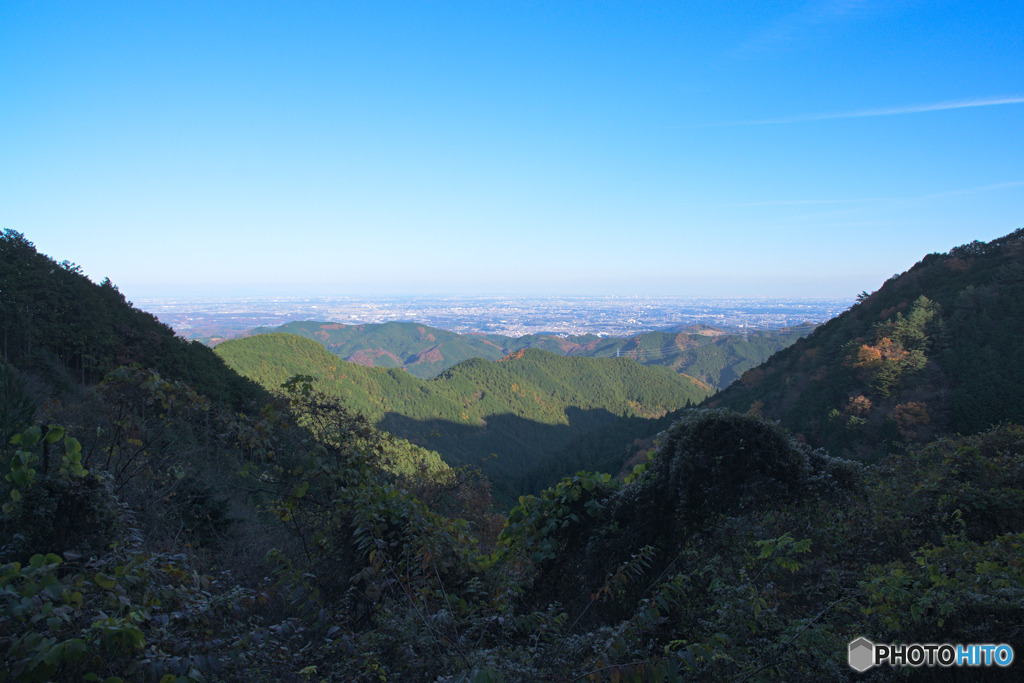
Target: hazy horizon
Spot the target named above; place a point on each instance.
(234, 292)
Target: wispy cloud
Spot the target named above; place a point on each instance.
(868, 200)
(814, 202)
(971, 190)
(809, 19)
(886, 111)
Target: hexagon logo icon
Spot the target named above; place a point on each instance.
(862, 654)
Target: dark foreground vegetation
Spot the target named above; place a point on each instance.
(168, 521)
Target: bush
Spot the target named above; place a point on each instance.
(59, 514)
(716, 461)
(54, 503)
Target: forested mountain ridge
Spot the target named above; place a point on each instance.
(132, 460)
(715, 356)
(54, 319)
(507, 416)
(421, 350)
(68, 337)
(936, 350)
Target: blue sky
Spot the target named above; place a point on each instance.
(342, 148)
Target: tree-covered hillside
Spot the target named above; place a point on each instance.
(54, 320)
(421, 350)
(936, 350)
(738, 553)
(507, 417)
(144, 483)
(714, 356)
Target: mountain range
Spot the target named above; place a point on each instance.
(507, 416)
(715, 356)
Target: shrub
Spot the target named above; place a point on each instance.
(59, 514)
(716, 461)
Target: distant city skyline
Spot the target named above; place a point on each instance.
(797, 148)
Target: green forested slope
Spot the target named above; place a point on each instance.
(936, 350)
(714, 356)
(507, 416)
(55, 320)
(740, 553)
(423, 351)
(66, 334)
